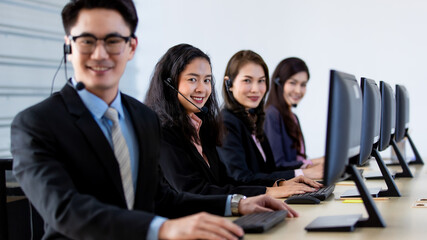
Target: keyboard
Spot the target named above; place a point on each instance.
(260, 222)
(321, 194)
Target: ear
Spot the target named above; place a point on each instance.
(133, 45)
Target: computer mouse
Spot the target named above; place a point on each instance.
(302, 200)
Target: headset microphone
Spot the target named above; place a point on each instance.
(202, 110)
(79, 85)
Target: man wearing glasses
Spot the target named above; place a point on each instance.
(87, 159)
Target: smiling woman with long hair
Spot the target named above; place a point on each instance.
(282, 126)
(246, 151)
(181, 85)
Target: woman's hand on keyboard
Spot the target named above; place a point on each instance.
(302, 179)
(297, 185)
(264, 203)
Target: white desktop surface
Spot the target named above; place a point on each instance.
(403, 221)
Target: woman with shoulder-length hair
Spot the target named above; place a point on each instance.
(281, 125)
(182, 93)
(246, 151)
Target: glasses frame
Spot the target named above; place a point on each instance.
(111, 35)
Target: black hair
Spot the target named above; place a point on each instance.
(126, 8)
(283, 72)
(164, 100)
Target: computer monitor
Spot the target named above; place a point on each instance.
(388, 113)
(388, 121)
(371, 118)
(344, 125)
(343, 143)
(402, 120)
(402, 112)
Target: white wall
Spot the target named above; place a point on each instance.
(31, 39)
(382, 39)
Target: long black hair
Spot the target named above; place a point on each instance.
(254, 119)
(164, 100)
(283, 72)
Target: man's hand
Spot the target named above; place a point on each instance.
(264, 203)
(200, 226)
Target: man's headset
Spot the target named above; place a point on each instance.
(66, 50)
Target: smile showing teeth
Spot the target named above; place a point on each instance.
(100, 68)
(198, 100)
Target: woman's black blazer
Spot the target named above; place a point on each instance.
(186, 170)
(242, 158)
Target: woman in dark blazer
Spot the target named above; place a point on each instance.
(246, 151)
(189, 159)
(281, 125)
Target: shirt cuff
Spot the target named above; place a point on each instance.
(299, 172)
(156, 223)
(228, 206)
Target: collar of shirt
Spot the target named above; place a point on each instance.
(195, 121)
(97, 106)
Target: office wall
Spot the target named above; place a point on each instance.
(30, 51)
(382, 40)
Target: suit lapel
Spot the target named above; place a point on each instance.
(209, 170)
(96, 138)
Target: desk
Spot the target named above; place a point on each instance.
(403, 221)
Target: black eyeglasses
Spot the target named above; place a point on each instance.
(113, 43)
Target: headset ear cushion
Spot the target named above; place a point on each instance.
(227, 84)
(67, 48)
(277, 81)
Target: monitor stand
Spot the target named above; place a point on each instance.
(406, 172)
(392, 190)
(418, 159)
(349, 222)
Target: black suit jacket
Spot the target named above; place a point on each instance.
(67, 169)
(186, 170)
(242, 158)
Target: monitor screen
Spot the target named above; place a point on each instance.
(388, 115)
(371, 117)
(344, 124)
(402, 112)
